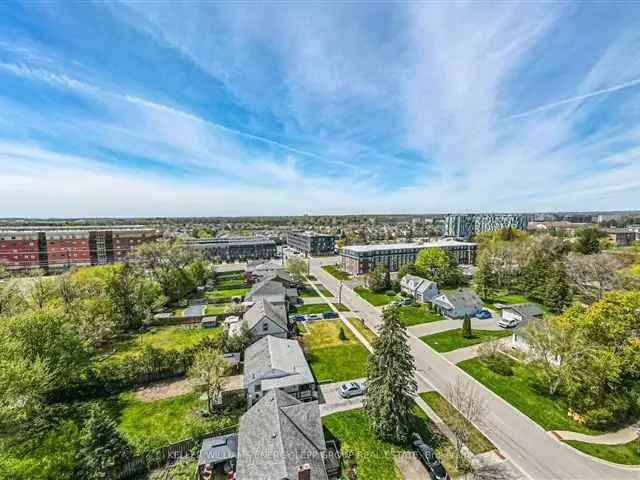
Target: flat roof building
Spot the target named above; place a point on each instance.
(232, 249)
(312, 243)
(360, 259)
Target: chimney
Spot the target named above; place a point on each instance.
(304, 472)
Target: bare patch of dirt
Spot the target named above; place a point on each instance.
(164, 389)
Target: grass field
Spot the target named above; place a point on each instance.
(308, 291)
(374, 457)
(171, 337)
(215, 308)
(363, 329)
(375, 299)
(549, 412)
(154, 424)
(336, 272)
(233, 292)
(626, 453)
(317, 308)
(330, 357)
(477, 443)
(453, 339)
(416, 314)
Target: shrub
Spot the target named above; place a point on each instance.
(390, 293)
(500, 367)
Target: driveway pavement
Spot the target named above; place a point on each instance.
(331, 402)
(443, 325)
(529, 447)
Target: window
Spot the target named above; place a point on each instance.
(265, 326)
(258, 388)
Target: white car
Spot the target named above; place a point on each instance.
(313, 316)
(504, 323)
(352, 389)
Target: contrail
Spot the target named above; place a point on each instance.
(549, 106)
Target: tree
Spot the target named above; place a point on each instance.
(208, 369)
(466, 327)
(102, 447)
(593, 275)
(297, 268)
(485, 277)
(376, 279)
(468, 402)
(588, 240)
(433, 263)
(341, 334)
(11, 298)
(558, 292)
(407, 269)
(235, 309)
(42, 291)
(391, 383)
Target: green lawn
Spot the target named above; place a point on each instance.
(215, 308)
(171, 337)
(453, 339)
(363, 329)
(549, 412)
(331, 358)
(233, 292)
(477, 443)
(375, 299)
(336, 272)
(317, 308)
(416, 314)
(157, 423)
(231, 283)
(311, 292)
(374, 457)
(626, 453)
(510, 298)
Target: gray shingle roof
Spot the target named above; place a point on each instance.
(277, 435)
(463, 298)
(266, 288)
(261, 309)
(277, 362)
(526, 310)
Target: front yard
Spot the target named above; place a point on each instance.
(330, 357)
(453, 339)
(317, 308)
(338, 273)
(626, 453)
(309, 291)
(363, 329)
(416, 314)
(375, 299)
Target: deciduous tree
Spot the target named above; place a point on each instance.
(208, 369)
(297, 268)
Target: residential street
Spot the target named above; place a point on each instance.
(538, 455)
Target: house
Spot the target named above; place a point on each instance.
(283, 278)
(521, 311)
(275, 292)
(264, 319)
(259, 270)
(233, 325)
(277, 363)
(422, 290)
(519, 339)
(278, 438)
(458, 303)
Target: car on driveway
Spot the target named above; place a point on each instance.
(483, 314)
(406, 301)
(330, 315)
(296, 318)
(313, 316)
(428, 457)
(508, 323)
(352, 389)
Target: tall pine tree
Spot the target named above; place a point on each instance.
(558, 292)
(466, 327)
(391, 383)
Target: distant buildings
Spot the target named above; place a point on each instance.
(24, 248)
(233, 249)
(465, 226)
(360, 259)
(621, 237)
(311, 243)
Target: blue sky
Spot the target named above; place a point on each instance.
(176, 109)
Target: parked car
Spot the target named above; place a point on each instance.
(296, 318)
(330, 315)
(506, 323)
(406, 301)
(483, 314)
(428, 457)
(313, 316)
(352, 389)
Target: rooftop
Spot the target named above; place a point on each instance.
(407, 246)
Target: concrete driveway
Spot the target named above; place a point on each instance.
(331, 402)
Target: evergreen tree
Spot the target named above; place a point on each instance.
(102, 446)
(557, 292)
(466, 327)
(391, 384)
(485, 276)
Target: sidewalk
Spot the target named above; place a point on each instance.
(624, 435)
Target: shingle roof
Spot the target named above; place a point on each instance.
(525, 310)
(462, 298)
(266, 288)
(411, 281)
(218, 449)
(277, 362)
(278, 435)
(262, 308)
(278, 274)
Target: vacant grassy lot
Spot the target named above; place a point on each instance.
(416, 314)
(453, 339)
(311, 292)
(215, 308)
(549, 412)
(317, 308)
(232, 292)
(375, 458)
(363, 329)
(375, 299)
(337, 272)
(626, 453)
(154, 424)
(478, 443)
(330, 357)
(171, 337)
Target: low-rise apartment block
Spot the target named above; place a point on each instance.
(621, 237)
(360, 259)
(311, 243)
(234, 249)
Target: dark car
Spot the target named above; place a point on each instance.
(296, 318)
(428, 457)
(330, 315)
(483, 314)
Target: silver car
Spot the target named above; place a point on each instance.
(352, 389)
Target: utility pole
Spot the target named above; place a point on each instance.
(340, 292)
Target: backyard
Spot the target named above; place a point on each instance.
(317, 308)
(452, 339)
(375, 299)
(337, 272)
(330, 357)
(416, 314)
(232, 292)
(216, 308)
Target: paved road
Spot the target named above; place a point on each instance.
(430, 328)
(534, 451)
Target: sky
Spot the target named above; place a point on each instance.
(207, 109)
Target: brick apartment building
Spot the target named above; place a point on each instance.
(311, 243)
(23, 248)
